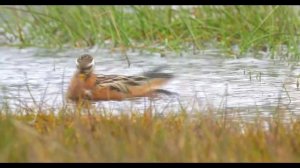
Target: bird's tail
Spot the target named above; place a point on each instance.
(156, 73)
(156, 79)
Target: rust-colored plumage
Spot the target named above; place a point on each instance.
(85, 85)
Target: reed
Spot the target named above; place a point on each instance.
(251, 28)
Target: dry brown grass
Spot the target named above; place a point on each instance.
(139, 137)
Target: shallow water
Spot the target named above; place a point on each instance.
(204, 80)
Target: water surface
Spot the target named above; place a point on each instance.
(207, 79)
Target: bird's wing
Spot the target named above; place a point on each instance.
(120, 83)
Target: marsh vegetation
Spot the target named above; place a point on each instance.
(254, 44)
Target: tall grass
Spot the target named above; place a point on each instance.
(154, 28)
(140, 137)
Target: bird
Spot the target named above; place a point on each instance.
(86, 85)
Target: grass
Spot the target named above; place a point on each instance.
(140, 137)
(252, 28)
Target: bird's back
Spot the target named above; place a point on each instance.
(119, 87)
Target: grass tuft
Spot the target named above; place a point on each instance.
(252, 28)
(138, 137)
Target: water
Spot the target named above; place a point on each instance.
(204, 80)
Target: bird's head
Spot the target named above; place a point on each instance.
(85, 64)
